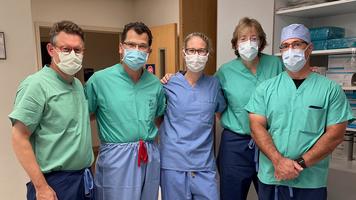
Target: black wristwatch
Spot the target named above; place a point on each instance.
(301, 162)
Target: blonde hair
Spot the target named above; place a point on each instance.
(200, 35)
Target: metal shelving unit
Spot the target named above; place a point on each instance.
(321, 10)
(329, 51)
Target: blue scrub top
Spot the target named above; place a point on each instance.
(186, 134)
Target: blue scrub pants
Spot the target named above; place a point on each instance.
(279, 192)
(236, 164)
(188, 185)
(118, 176)
(68, 185)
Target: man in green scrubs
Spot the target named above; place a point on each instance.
(126, 100)
(297, 119)
(51, 130)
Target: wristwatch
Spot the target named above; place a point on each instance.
(301, 162)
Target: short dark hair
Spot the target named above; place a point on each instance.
(139, 28)
(67, 27)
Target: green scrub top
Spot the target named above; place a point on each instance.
(125, 111)
(296, 119)
(238, 84)
(56, 113)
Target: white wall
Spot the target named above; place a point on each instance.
(107, 13)
(16, 23)
(157, 12)
(229, 14)
(98, 13)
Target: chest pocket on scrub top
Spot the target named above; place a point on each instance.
(206, 111)
(314, 120)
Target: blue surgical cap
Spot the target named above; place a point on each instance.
(295, 31)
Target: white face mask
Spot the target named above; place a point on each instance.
(70, 63)
(195, 62)
(248, 50)
(294, 59)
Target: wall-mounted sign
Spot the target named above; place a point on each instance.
(151, 68)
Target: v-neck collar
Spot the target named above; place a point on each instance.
(303, 85)
(53, 73)
(126, 76)
(245, 69)
(185, 81)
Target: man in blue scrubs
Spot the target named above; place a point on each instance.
(186, 135)
(297, 119)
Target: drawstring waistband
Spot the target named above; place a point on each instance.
(252, 145)
(142, 153)
(88, 183)
(140, 147)
(276, 192)
(290, 192)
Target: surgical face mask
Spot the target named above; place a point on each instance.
(248, 50)
(294, 59)
(134, 58)
(69, 63)
(195, 62)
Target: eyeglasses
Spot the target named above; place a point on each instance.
(68, 50)
(133, 45)
(192, 51)
(295, 45)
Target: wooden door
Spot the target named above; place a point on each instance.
(199, 16)
(164, 55)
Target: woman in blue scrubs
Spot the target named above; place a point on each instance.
(186, 135)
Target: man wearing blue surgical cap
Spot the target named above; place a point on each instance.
(297, 119)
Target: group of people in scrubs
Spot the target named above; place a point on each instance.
(279, 126)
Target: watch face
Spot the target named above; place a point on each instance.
(301, 162)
